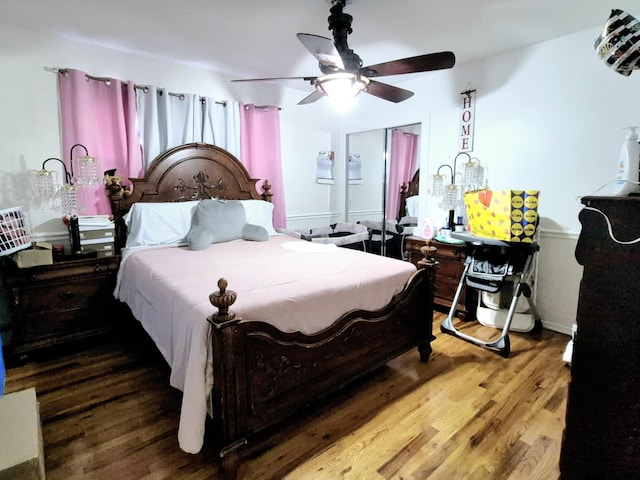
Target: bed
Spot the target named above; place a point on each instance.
(255, 329)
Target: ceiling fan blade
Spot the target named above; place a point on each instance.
(388, 92)
(323, 49)
(308, 79)
(315, 96)
(420, 63)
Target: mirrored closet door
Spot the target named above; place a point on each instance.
(379, 163)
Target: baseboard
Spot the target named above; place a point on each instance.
(557, 327)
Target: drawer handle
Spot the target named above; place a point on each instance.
(101, 268)
(66, 296)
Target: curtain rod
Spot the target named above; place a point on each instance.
(107, 81)
(181, 96)
(267, 106)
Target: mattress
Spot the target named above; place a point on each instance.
(292, 284)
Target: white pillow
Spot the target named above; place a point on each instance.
(259, 212)
(412, 204)
(152, 224)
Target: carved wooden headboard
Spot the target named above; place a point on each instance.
(193, 171)
(408, 190)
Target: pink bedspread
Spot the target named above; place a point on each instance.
(293, 284)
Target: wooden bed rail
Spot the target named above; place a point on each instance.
(262, 376)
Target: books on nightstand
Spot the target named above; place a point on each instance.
(97, 232)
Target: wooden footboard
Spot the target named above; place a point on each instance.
(262, 375)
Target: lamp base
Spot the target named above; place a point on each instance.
(451, 219)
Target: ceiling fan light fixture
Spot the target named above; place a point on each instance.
(342, 86)
(343, 74)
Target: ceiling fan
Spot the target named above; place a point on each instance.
(342, 71)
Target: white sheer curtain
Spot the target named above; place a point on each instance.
(166, 120)
(221, 124)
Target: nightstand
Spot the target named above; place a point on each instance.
(450, 259)
(54, 304)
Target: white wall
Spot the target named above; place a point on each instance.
(309, 203)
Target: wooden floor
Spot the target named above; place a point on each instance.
(108, 412)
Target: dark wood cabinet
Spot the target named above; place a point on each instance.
(602, 430)
(53, 304)
(412, 246)
(450, 264)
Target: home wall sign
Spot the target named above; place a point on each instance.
(467, 118)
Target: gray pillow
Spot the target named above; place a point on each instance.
(256, 233)
(225, 219)
(199, 238)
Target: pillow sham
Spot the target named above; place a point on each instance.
(152, 224)
(259, 212)
(225, 219)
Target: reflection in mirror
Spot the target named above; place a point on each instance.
(389, 161)
(365, 198)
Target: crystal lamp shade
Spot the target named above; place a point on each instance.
(437, 185)
(452, 197)
(474, 175)
(87, 171)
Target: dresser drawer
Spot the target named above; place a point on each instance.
(451, 258)
(446, 288)
(449, 251)
(63, 323)
(414, 244)
(449, 268)
(69, 295)
(66, 270)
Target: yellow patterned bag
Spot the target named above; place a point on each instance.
(510, 215)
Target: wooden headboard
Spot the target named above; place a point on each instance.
(193, 171)
(408, 190)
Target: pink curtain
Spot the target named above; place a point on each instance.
(260, 153)
(101, 115)
(403, 162)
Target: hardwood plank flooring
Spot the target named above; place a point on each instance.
(108, 412)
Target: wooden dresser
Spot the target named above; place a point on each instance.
(602, 432)
(450, 259)
(53, 304)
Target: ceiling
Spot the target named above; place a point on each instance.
(257, 38)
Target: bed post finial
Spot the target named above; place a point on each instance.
(266, 191)
(222, 300)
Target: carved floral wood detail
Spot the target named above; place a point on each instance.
(276, 371)
(200, 190)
